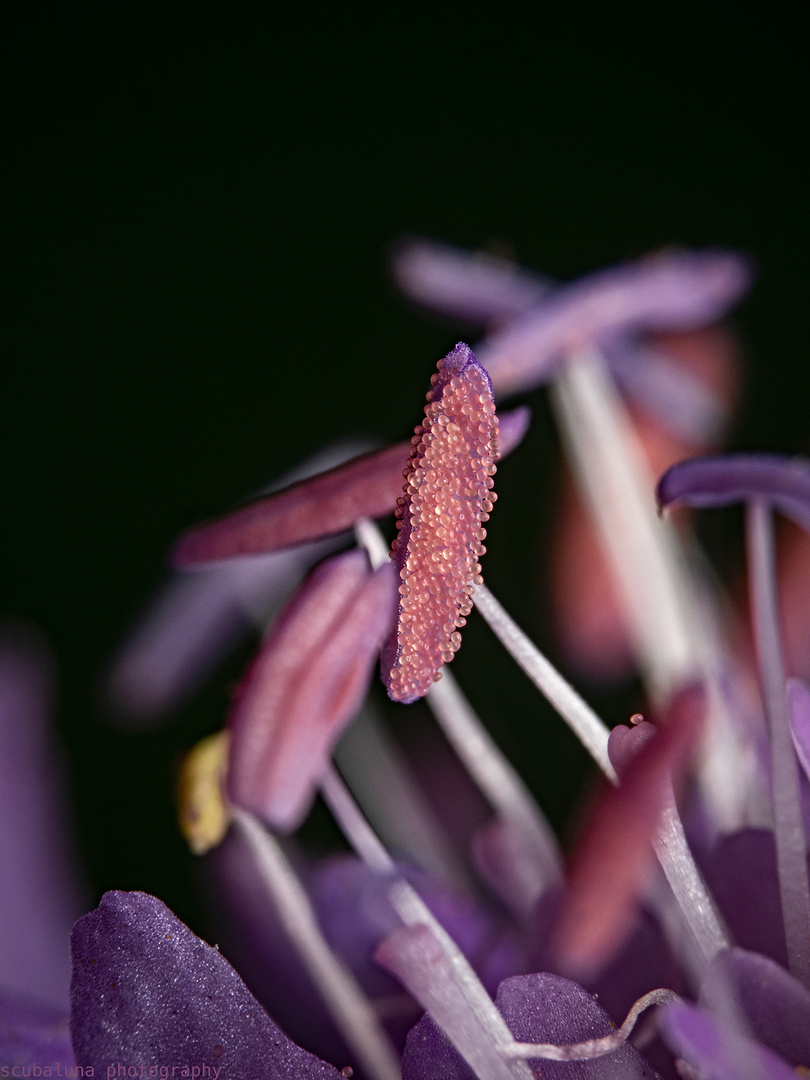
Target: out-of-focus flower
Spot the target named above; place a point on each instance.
(347, 952)
(40, 895)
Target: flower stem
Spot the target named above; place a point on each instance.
(580, 717)
(351, 1010)
(500, 784)
(671, 847)
(467, 1004)
(791, 855)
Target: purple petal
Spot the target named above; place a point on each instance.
(715, 1051)
(355, 914)
(32, 1035)
(537, 1008)
(614, 855)
(305, 684)
(667, 291)
(644, 963)
(741, 875)
(330, 502)
(799, 696)
(781, 482)
(39, 894)
(146, 991)
(774, 1005)
(468, 285)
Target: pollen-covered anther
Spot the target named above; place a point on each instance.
(447, 497)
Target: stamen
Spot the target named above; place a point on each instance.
(791, 856)
(425, 956)
(587, 726)
(448, 492)
(351, 1010)
(643, 551)
(203, 810)
(592, 1048)
(504, 789)
(381, 781)
(671, 847)
(687, 884)
(539, 865)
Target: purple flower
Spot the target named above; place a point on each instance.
(686, 893)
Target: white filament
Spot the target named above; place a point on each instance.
(619, 490)
(791, 855)
(413, 911)
(592, 1048)
(671, 847)
(587, 726)
(500, 784)
(351, 1010)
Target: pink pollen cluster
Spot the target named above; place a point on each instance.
(448, 496)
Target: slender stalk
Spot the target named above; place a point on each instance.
(590, 730)
(415, 913)
(350, 1008)
(671, 847)
(595, 1048)
(688, 886)
(492, 772)
(791, 855)
(618, 488)
(500, 784)
(673, 632)
(381, 782)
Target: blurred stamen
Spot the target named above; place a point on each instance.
(642, 549)
(791, 855)
(489, 768)
(439, 976)
(501, 785)
(353, 1013)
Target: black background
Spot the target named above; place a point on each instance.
(198, 202)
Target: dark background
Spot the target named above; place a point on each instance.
(198, 202)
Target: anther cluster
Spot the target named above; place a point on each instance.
(448, 496)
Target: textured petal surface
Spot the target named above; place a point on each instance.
(305, 684)
(717, 1053)
(537, 1008)
(146, 991)
(774, 1005)
(782, 482)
